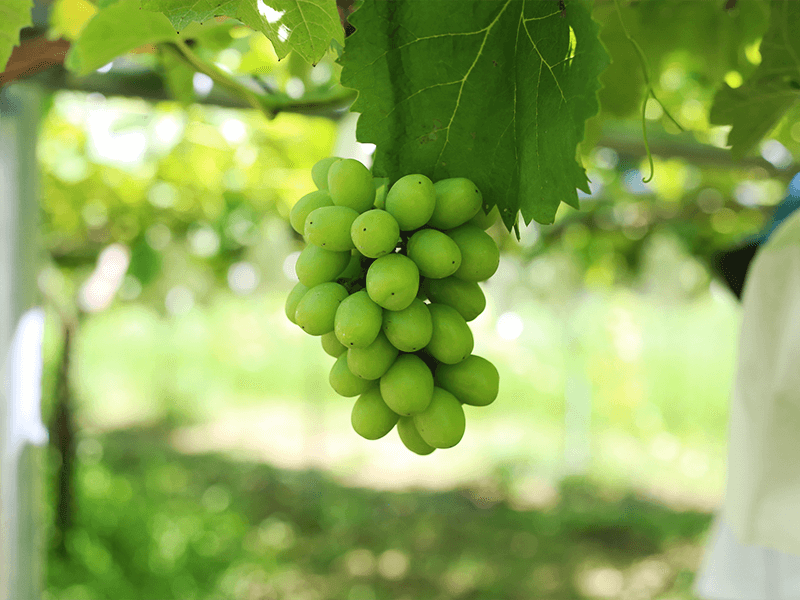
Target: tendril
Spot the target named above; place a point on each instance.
(648, 92)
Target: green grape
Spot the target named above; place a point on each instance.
(358, 321)
(319, 172)
(344, 382)
(480, 256)
(301, 208)
(465, 296)
(381, 189)
(293, 299)
(375, 233)
(443, 423)
(374, 360)
(411, 438)
(316, 265)
(411, 201)
(350, 184)
(393, 281)
(317, 309)
(407, 386)
(409, 329)
(457, 201)
(483, 220)
(473, 381)
(434, 253)
(452, 339)
(329, 228)
(331, 345)
(371, 418)
(353, 269)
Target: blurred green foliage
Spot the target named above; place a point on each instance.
(153, 523)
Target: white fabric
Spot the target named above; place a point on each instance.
(734, 571)
(754, 550)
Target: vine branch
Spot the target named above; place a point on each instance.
(650, 92)
(268, 103)
(219, 76)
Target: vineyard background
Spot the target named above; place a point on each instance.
(211, 458)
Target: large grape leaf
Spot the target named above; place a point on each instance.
(14, 15)
(498, 92)
(305, 26)
(758, 105)
(115, 30)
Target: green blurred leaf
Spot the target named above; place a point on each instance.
(495, 92)
(178, 78)
(753, 110)
(756, 107)
(67, 18)
(305, 26)
(116, 30)
(145, 262)
(14, 15)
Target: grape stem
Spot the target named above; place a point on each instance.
(268, 103)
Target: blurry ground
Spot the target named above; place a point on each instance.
(216, 464)
(154, 523)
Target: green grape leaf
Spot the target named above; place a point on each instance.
(498, 92)
(757, 106)
(115, 30)
(305, 26)
(14, 15)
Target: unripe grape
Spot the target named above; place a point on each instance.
(381, 189)
(371, 418)
(393, 281)
(483, 220)
(350, 184)
(301, 208)
(344, 382)
(411, 201)
(319, 172)
(353, 270)
(331, 345)
(465, 296)
(480, 256)
(358, 321)
(293, 299)
(411, 438)
(457, 201)
(407, 386)
(317, 308)
(316, 265)
(434, 253)
(409, 329)
(374, 360)
(443, 423)
(375, 233)
(329, 228)
(473, 381)
(451, 341)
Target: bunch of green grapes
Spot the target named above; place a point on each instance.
(389, 280)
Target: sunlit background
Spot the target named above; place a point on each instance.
(212, 459)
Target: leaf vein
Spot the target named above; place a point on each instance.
(487, 31)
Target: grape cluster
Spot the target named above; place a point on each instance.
(389, 279)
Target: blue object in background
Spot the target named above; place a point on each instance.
(732, 264)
